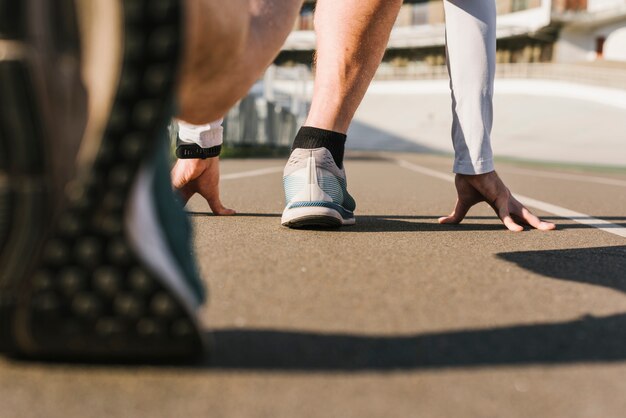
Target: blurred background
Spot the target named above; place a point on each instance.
(560, 87)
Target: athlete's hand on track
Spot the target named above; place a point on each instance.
(490, 188)
(191, 176)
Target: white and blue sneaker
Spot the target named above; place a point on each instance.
(316, 191)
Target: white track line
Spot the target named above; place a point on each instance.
(252, 173)
(581, 218)
(565, 176)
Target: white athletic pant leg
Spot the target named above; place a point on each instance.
(206, 136)
(471, 59)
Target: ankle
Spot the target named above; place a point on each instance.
(334, 124)
(310, 138)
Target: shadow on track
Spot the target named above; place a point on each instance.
(584, 340)
(375, 223)
(599, 266)
(407, 223)
(588, 339)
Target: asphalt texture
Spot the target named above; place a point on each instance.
(396, 316)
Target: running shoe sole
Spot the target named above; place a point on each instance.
(314, 217)
(78, 291)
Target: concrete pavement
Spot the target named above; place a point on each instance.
(396, 316)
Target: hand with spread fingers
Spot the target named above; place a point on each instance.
(473, 189)
(190, 176)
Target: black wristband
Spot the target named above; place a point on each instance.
(190, 151)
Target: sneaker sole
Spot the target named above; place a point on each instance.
(79, 291)
(314, 217)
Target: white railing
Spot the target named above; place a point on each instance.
(575, 73)
(600, 5)
(269, 116)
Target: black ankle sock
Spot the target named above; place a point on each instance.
(310, 138)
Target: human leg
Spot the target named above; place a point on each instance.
(95, 255)
(352, 37)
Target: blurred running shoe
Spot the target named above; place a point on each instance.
(95, 255)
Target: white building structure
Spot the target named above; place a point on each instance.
(528, 30)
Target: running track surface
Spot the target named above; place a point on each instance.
(396, 316)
